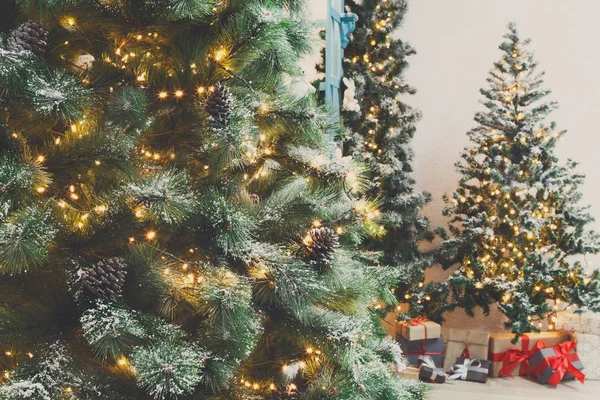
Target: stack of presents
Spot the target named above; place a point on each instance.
(469, 355)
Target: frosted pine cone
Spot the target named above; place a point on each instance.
(106, 278)
(320, 244)
(29, 36)
(219, 104)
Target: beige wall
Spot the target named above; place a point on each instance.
(457, 42)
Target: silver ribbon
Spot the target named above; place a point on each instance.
(428, 362)
(460, 371)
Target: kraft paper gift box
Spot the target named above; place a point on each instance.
(475, 370)
(411, 350)
(588, 323)
(555, 364)
(475, 341)
(410, 373)
(419, 329)
(588, 350)
(513, 359)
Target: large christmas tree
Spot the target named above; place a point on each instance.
(516, 225)
(170, 225)
(379, 127)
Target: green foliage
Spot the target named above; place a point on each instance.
(191, 8)
(111, 330)
(12, 72)
(129, 107)
(163, 197)
(168, 369)
(57, 93)
(24, 240)
(19, 176)
(230, 224)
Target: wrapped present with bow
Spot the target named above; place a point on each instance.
(429, 372)
(474, 370)
(465, 344)
(513, 359)
(411, 350)
(419, 329)
(555, 364)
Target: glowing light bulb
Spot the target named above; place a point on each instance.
(162, 95)
(150, 235)
(179, 93)
(219, 55)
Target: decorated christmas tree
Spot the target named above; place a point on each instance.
(379, 127)
(517, 228)
(171, 225)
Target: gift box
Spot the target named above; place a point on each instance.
(558, 363)
(474, 370)
(513, 359)
(410, 373)
(411, 350)
(475, 342)
(588, 350)
(419, 329)
(588, 323)
(429, 372)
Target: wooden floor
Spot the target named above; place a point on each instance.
(515, 389)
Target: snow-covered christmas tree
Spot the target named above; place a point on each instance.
(516, 223)
(379, 127)
(171, 223)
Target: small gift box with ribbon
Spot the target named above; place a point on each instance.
(466, 344)
(411, 350)
(475, 370)
(419, 329)
(513, 359)
(428, 372)
(557, 363)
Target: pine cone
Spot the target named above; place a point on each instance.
(320, 244)
(29, 36)
(219, 104)
(106, 278)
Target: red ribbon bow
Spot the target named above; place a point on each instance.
(561, 364)
(420, 321)
(513, 357)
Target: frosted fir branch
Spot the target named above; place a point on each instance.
(167, 369)
(111, 330)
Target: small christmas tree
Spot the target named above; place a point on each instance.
(515, 222)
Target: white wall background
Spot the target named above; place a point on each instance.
(457, 42)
